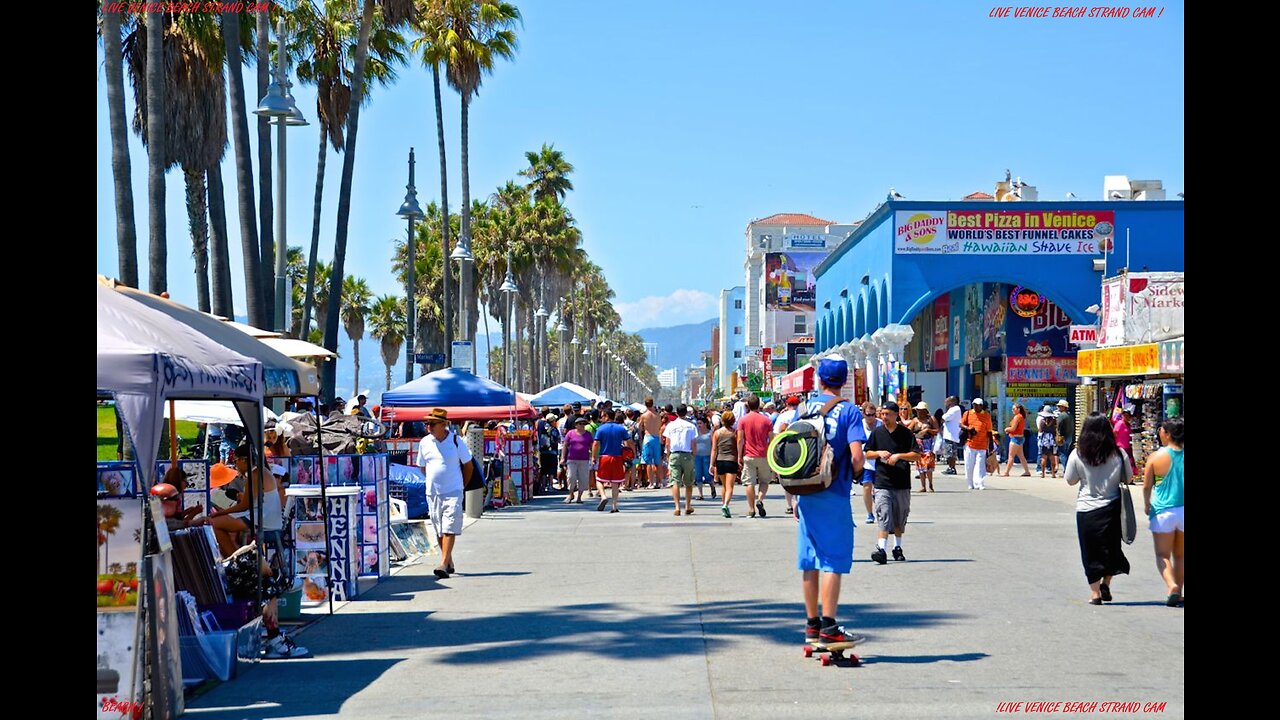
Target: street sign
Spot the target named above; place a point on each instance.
(429, 358)
(462, 350)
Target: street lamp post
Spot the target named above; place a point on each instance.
(540, 346)
(462, 254)
(573, 362)
(280, 107)
(411, 211)
(509, 289)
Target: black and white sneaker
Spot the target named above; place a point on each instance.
(880, 556)
(281, 647)
(760, 508)
(897, 554)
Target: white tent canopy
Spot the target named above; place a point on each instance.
(296, 348)
(212, 411)
(565, 392)
(146, 357)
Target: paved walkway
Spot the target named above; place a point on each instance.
(560, 611)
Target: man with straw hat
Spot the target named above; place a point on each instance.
(446, 462)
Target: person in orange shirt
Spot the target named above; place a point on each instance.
(1015, 431)
(977, 422)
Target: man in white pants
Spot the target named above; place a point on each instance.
(978, 422)
(446, 461)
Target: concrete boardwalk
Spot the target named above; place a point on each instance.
(560, 611)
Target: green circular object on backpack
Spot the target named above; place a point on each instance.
(804, 454)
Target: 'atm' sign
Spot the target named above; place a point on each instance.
(1084, 335)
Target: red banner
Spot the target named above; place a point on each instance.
(941, 323)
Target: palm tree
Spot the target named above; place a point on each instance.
(109, 517)
(548, 174)
(387, 325)
(244, 175)
(322, 43)
(295, 271)
(323, 271)
(195, 129)
(471, 35)
(394, 12)
(433, 54)
(219, 255)
(126, 231)
(157, 274)
(355, 307)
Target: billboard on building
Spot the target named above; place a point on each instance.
(1004, 232)
(941, 323)
(789, 280)
(1141, 308)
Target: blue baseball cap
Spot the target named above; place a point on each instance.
(833, 372)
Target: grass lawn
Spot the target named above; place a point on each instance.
(107, 432)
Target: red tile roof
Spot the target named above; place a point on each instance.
(979, 196)
(791, 219)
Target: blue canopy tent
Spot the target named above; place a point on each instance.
(463, 395)
(566, 393)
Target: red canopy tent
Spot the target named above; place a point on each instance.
(523, 411)
(797, 381)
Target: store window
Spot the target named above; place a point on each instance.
(737, 304)
(737, 354)
(800, 326)
(737, 329)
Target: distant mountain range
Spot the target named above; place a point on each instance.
(679, 346)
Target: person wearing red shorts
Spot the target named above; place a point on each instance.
(610, 440)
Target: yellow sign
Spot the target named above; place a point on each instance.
(1119, 361)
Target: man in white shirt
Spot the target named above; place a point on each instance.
(682, 441)
(951, 433)
(739, 409)
(446, 461)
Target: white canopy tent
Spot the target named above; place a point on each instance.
(212, 411)
(146, 357)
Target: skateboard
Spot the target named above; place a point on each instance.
(832, 653)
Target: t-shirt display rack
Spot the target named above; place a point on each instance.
(1154, 401)
(358, 523)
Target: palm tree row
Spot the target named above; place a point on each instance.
(185, 68)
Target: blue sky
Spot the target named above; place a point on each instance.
(686, 120)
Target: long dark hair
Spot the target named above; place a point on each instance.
(1097, 440)
(1173, 426)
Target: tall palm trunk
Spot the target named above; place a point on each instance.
(465, 279)
(315, 234)
(267, 274)
(126, 231)
(355, 355)
(447, 305)
(198, 222)
(219, 256)
(244, 173)
(157, 274)
(329, 373)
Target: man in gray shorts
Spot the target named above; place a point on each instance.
(894, 448)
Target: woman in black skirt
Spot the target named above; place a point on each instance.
(1099, 467)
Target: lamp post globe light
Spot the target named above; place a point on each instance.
(279, 108)
(411, 212)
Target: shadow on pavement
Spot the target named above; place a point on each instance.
(922, 659)
(298, 688)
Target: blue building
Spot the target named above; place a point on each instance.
(976, 298)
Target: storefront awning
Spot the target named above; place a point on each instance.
(797, 381)
(1163, 358)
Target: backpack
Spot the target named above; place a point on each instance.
(801, 456)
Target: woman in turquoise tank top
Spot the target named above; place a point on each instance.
(1164, 506)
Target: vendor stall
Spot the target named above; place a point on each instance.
(1146, 379)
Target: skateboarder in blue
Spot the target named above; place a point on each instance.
(824, 533)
